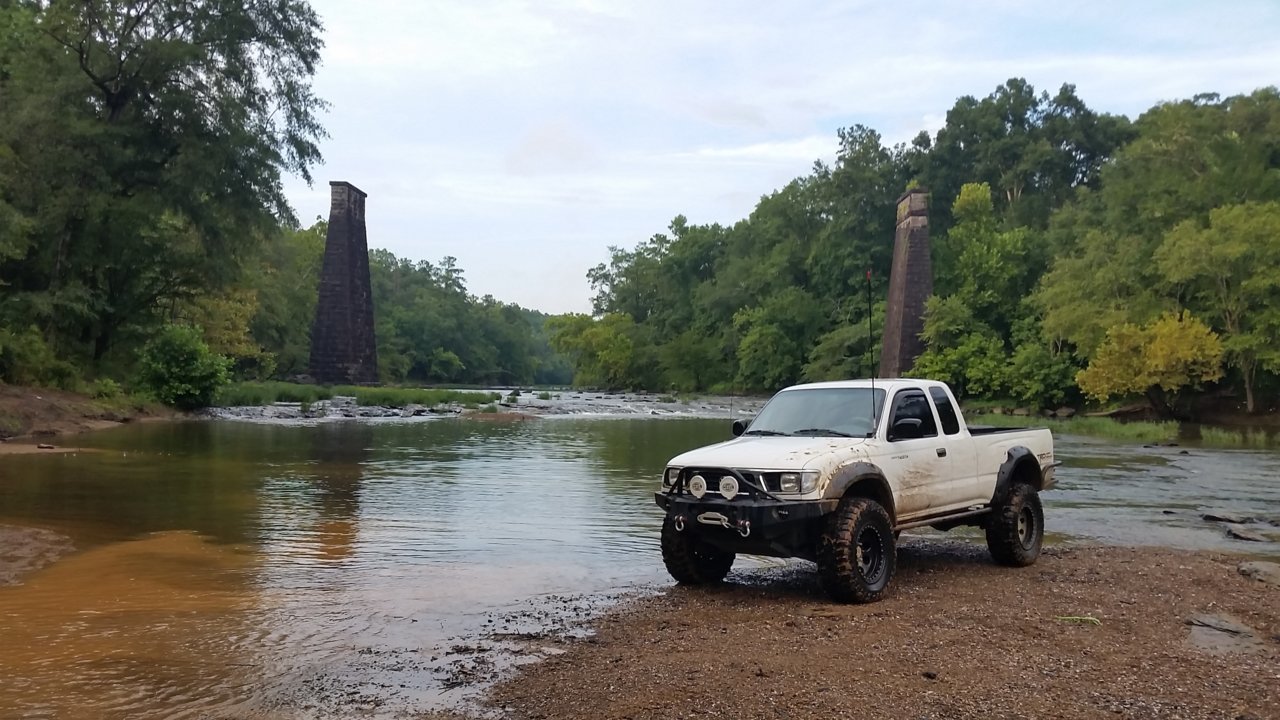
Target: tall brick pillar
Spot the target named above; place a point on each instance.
(342, 343)
(910, 284)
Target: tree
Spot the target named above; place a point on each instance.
(1032, 149)
(1188, 158)
(1229, 271)
(602, 351)
(285, 278)
(1160, 360)
(141, 152)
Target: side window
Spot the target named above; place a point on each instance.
(912, 405)
(946, 411)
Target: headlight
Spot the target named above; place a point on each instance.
(801, 482)
(669, 477)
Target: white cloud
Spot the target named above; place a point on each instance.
(524, 137)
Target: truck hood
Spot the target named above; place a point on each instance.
(768, 453)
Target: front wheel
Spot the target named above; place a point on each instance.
(856, 553)
(1015, 529)
(692, 561)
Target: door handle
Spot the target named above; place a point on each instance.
(942, 452)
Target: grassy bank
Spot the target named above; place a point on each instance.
(266, 393)
(49, 412)
(1137, 431)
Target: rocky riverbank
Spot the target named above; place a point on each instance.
(546, 405)
(1087, 632)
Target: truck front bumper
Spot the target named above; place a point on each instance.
(753, 526)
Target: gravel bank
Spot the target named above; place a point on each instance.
(957, 638)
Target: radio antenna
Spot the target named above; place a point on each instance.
(871, 355)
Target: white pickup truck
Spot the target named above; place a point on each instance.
(832, 472)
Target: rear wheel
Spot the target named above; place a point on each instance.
(856, 553)
(692, 561)
(1015, 529)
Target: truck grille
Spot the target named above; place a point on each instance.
(769, 481)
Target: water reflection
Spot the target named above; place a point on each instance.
(282, 571)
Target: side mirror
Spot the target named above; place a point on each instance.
(739, 427)
(906, 429)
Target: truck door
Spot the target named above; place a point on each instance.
(918, 460)
(960, 448)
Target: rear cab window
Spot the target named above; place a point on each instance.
(946, 411)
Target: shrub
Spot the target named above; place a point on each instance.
(26, 359)
(105, 389)
(179, 369)
(544, 396)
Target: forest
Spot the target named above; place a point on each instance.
(142, 150)
(1080, 257)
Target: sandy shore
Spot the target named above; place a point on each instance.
(958, 638)
(31, 416)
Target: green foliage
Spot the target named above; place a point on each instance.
(976, 366)
(430, 329)
(26, 359)
(1143, 431)
(1158, 360)
(1039, 377)
(105, 389)
(285, 278)
(605, 352)
(544, 395)
(399, 397)
(266, 393)
(1241, 438)
(142, 147)
(1230, 271)
(1188, 158)
(178, 368)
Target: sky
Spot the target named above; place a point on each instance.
(525, 138)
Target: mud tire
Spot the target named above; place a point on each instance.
(692, 561)
(1015, 529)
(857, 554)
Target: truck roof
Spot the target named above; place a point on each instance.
(886, 384)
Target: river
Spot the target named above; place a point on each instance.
(353, 569)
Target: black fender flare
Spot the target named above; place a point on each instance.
(867, 480)
(1020, 464)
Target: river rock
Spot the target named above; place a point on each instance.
(1262, 571)
(1022, 411)
(1222, 634)
(1221, 623)
(1225, 516)
(1244, 533)
(1066, 412)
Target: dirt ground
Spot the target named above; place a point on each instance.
(34, 415)
(958, 637)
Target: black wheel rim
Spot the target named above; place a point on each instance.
(1027, 528)
(870, 555)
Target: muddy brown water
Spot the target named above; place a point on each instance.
(353, 569)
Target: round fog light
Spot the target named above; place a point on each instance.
(697, 486)
(728, 487)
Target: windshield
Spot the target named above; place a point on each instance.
(820, 411)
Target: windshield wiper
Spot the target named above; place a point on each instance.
(822, 431)
(771, 433)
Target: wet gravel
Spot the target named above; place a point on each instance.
(1087, 632)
